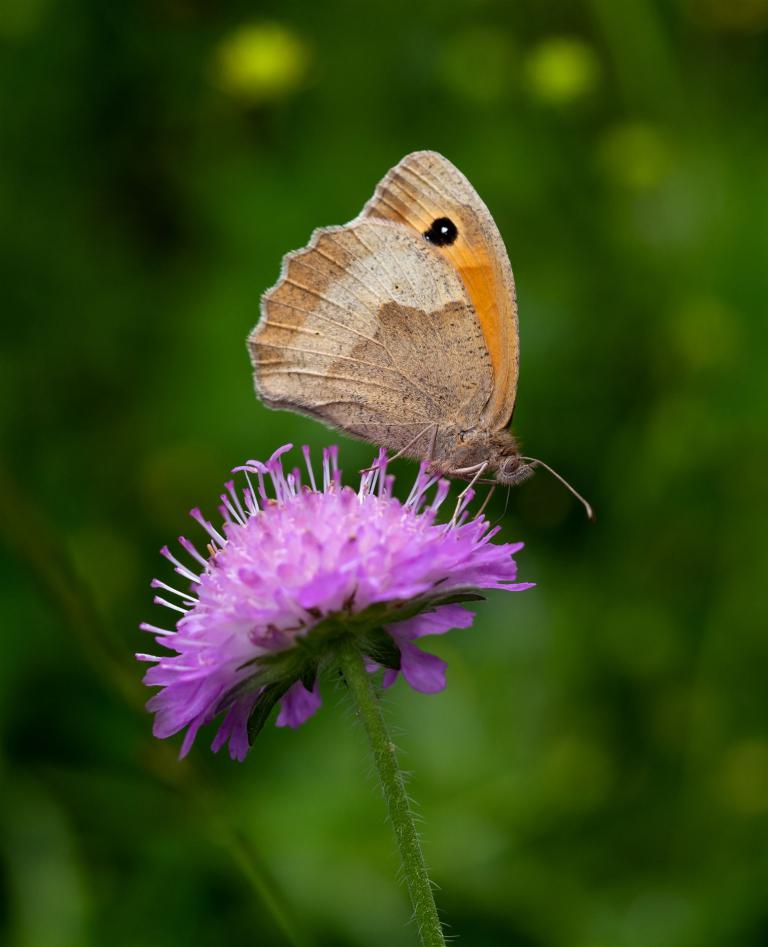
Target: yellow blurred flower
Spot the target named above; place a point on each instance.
(561, 70)
(260, 62)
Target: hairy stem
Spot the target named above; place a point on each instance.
(368, 708)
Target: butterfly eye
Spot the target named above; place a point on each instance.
(442, 233)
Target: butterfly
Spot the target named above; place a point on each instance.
(401, 327)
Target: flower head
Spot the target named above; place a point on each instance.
(296, 566)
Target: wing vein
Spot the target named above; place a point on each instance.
(334, 355)
(363, 303)
(354, 275)
(326, 375)
(384, 200)
(317, 315)
(413, 194)
(405, 276)
(430, 185)
(313, 292)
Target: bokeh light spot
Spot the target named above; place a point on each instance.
(259, 63)
(561, 70)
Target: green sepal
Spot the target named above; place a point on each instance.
(381, 647)
(459, 597)
(309, 676)
(269, 669)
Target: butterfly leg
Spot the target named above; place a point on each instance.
(477, 470)
(410, 444)
(486, 501)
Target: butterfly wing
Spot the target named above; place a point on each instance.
(372, 331)
(424, 189)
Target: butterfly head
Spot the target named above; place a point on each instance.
(513, 470)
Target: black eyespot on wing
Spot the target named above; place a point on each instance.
(442, 233)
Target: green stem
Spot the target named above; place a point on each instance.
(368, 708)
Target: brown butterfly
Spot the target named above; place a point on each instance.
(400, 327)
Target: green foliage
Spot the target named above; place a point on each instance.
(597, 771)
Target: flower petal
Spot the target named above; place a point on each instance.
(437, 622)
(326, 590)
(424, 672)
(390, 676)
(234, 728)
(298, 705)
(189, 736)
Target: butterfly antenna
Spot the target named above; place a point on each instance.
(587, 506)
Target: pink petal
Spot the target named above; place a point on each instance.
(442, 619)
(234, 728)
(328, 591)
(390, 676)
(424, 672)
(298, 705)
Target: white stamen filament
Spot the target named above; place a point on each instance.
(229, 507)
(310, 471)
(208, 527)
(236, 500)
(191, 549)
(177, 608)
(157, 584)
(249, 496)
(326, 470)
(154, 630)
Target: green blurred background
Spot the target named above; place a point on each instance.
(596, 774)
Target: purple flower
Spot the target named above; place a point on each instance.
(292, 570)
